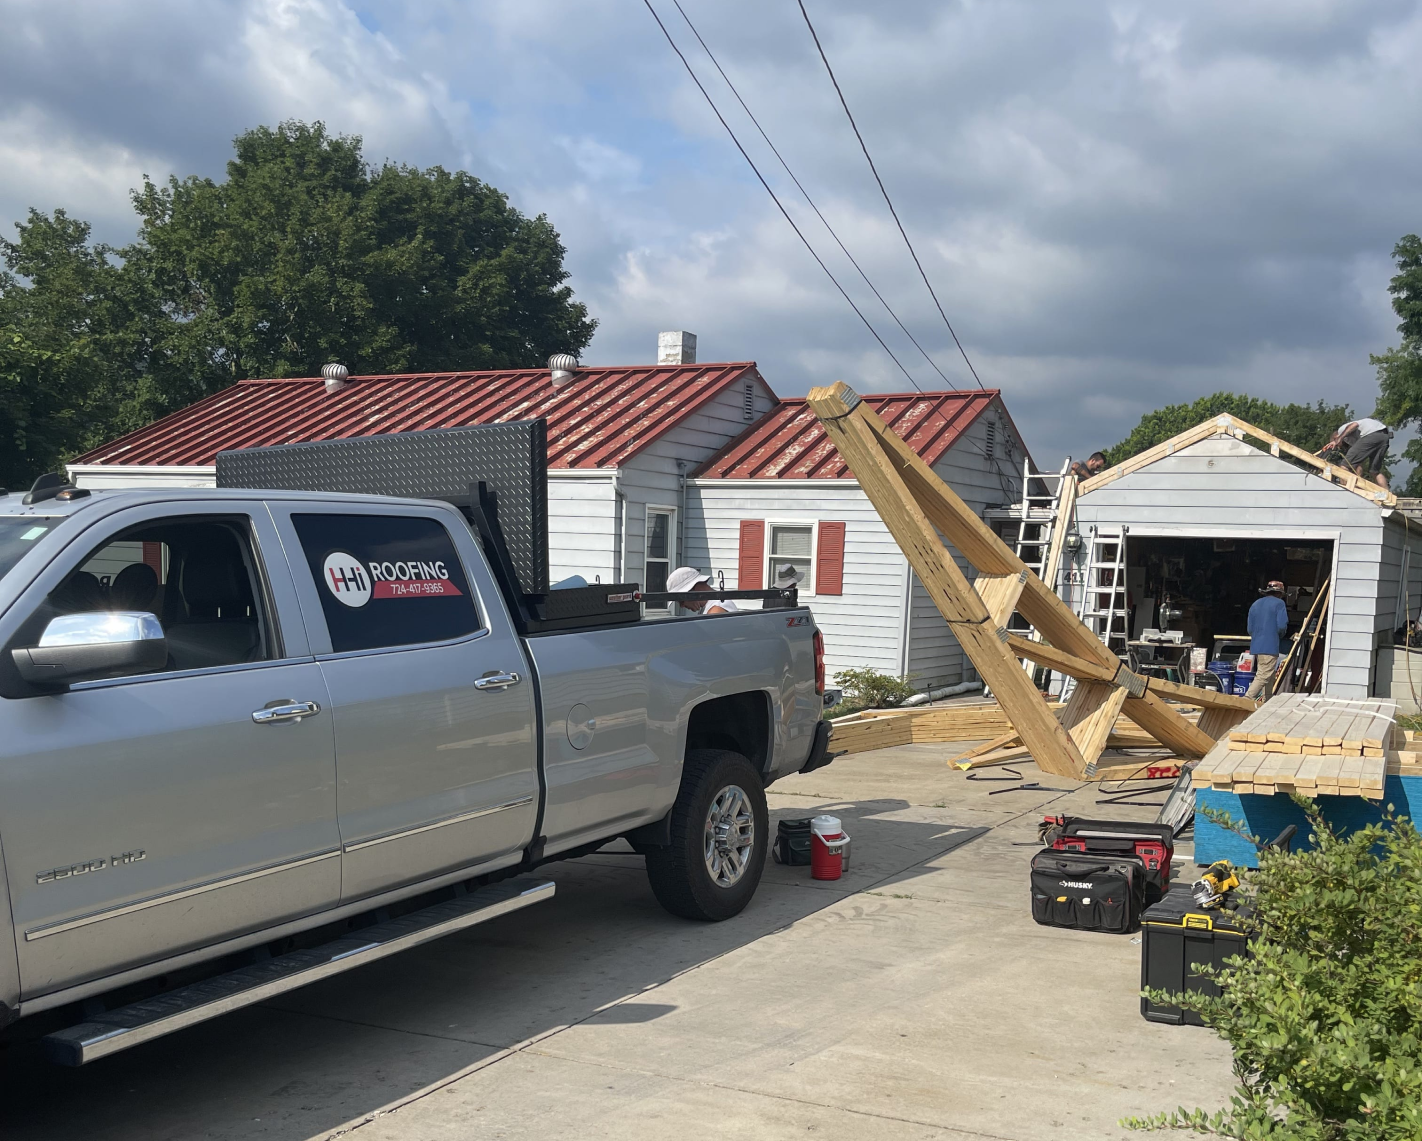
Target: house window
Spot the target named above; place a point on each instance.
(791, 544)
(661, 548)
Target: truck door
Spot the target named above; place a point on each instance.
(150, 814)
(432, 700)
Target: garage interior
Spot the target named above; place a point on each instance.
(1204, 587)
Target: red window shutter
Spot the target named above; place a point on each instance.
(829, 559)
(749, 572)
(153, 557)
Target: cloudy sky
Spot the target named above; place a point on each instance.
(1121, 205)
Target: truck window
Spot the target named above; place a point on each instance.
(197, 576)
(386, 580)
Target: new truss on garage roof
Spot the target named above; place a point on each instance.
(1227, 425)
(917, 506)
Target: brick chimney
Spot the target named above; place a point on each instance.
(676, 348)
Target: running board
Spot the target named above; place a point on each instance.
(116, 1030)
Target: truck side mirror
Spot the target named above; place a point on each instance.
(95, 645)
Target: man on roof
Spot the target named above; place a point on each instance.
(1364, 444)
(1095, 464)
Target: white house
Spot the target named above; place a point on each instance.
(1209, 519)
(620, 442)
(650, 467)
(780, 493)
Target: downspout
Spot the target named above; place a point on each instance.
(619, 558)
(680, 560)
(907, 633)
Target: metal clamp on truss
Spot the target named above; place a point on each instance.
(1132, 683)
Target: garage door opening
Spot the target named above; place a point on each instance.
(1204, 587)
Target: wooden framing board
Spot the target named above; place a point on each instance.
(1225, 424)
(916, 506)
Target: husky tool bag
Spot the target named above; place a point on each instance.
(1087, 892)
(1152, 844)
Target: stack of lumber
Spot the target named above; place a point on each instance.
(882, 728)
(1313, 746)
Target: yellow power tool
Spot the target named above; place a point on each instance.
(1209, 890)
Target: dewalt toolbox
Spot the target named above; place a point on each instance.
(1177, 934)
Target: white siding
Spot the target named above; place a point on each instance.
(864, 625)
(583, 527)
(1222, 486)
(935, 658)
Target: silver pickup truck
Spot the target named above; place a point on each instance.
(251, 738)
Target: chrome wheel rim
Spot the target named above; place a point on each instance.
(730, 836)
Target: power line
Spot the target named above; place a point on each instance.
(774, 198)
(912, 252)
(775, 151)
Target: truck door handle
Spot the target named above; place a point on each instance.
(497, 681)
(285, 711)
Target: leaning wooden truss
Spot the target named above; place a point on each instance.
(921, 511)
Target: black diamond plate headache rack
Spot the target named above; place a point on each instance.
(497, 474)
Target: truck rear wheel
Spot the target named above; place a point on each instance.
(719, 838)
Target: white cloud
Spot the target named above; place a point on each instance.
(1120, 204)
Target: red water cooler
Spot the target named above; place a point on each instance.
(829, 848)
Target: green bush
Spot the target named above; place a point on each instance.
(1325, 1017)
(870, 689)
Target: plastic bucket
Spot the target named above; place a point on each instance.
(829, 848)
(1242, 682)
(1225, 672)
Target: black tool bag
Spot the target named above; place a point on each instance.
(1152, 844)
(1086, 891)
(792, 842)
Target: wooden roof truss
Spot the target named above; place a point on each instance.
(921, 511)
(1227, 425)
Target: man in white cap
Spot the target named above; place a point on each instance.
(683, 580)
(1268, 625)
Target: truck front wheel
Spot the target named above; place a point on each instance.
(719, 838)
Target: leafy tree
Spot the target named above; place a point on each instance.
(303, 255)
(1400, 368)
(1306, 426)
(1324, 1016)
(75, 341)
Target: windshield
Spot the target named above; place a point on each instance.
(18, 534)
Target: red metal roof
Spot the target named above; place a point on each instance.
(790, 443)
(599, 419)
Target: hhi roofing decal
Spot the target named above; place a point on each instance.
(354, 583)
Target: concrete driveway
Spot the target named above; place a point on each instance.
(914, 998)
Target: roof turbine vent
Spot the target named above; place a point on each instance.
(561, 367)
(335, 376)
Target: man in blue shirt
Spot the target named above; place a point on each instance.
(1268, 623)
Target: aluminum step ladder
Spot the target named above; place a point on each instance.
(1103, 597)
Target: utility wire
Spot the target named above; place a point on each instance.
(912, 252)
(716, 111)
(798, 186)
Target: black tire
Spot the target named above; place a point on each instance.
(681, 878)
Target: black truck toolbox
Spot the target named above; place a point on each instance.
(1087, 892)
(1177, 934)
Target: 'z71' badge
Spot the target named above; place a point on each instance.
(798, 620)
(87, 866)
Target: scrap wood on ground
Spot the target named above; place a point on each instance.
(1130, 752)
(917, 507)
